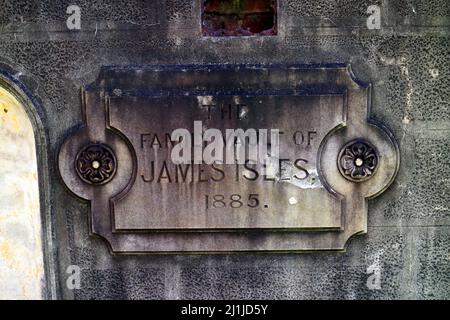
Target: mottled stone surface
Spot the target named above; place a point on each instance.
(407, 63)
(21, 258)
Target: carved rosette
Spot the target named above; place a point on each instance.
(358, 160)
(96, 164)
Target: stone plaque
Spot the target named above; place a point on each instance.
(311, 194)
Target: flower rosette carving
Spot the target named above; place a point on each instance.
(96, 164)
(358, 161)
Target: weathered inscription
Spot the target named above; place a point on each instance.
(227, 196)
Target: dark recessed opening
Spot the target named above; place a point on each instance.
(239, 17)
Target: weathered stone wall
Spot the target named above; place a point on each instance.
(407, 62)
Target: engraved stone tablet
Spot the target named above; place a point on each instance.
(309, 195)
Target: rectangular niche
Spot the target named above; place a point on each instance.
(221, 18)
